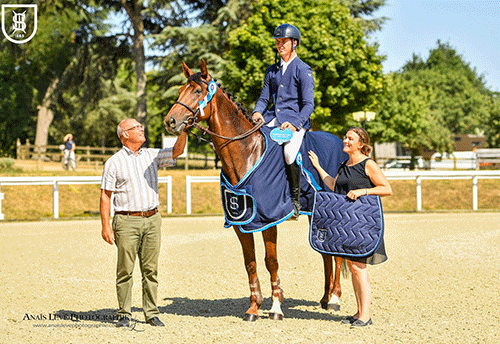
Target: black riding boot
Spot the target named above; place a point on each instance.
(293, 174)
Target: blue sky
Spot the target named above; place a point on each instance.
(472, 27)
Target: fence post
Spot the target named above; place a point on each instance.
(1, 198)
(419, 193)
(55, 200)
(169, 194)
(474, 193)
(188, 194)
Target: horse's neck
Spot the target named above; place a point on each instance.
(237, 156)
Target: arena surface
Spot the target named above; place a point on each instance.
(440, 285)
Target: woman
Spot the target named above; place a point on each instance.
(358, 176)
(289, 86)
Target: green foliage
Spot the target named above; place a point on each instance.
(491, 129)
(347, 70)
(16, 103)
(7, 166)
(427, 102)
(405, 117)
(360, 8)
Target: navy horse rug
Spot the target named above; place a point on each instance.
(346, 228)
(261, 199)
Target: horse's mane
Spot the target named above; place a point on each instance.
(196, 77)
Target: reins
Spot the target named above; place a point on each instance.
(194, 121)
(234, 138)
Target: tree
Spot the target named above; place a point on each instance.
(42, 62)
(406, 117)
(360, 8)
(16, 103)
(145, 18)
(189, 44)
(347, 70)
(428, 101)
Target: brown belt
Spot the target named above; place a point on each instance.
(138, 213)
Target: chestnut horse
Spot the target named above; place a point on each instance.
(239, 145)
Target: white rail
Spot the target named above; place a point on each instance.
(56, 181)
(196, 179)
(418, 176)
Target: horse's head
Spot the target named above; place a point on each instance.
(187, 109)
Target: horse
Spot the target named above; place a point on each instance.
(239, 145)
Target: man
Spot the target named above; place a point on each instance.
(132, 175)
(289, 84)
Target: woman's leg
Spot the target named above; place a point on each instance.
(362, 289)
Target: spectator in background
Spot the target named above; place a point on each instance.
(69, 152)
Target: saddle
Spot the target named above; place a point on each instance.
(346, 228)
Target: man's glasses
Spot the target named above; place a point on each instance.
(137, 127)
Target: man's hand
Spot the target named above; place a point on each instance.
(289, 126)
(108, 235)
(257, 117)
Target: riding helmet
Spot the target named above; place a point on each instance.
(287, 31)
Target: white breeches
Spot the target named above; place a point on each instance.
(292, 147)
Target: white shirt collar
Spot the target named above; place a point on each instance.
(284, 65)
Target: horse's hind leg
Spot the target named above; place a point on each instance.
(270, 237)
(331, 297)
(248, 247)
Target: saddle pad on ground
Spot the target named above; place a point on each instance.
(346, 228)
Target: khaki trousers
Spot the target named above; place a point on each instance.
(137, 236)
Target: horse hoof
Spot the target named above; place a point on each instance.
(275, 316)
(250, 317)
(330, 306)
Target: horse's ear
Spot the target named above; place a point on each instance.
(187, 72)
(203, 68)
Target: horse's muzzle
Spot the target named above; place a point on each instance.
(173, 127)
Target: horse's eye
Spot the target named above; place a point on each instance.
(197, 92)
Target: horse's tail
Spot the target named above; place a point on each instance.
(344, 270)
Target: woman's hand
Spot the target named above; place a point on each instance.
(355, 194)
(314, 159)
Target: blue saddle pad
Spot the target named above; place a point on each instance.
(346, 228)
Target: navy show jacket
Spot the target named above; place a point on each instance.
(292, 94)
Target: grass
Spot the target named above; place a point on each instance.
(35, 202)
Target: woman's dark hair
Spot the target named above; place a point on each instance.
(364, 138)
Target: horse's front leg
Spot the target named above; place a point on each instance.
(270, 237)
(248, 247)
(331, 297)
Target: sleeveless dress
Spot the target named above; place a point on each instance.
(352, 178)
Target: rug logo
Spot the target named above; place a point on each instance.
(19, 22)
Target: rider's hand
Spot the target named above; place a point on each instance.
(289, 126)
(257, 117)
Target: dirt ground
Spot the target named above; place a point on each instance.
(440, 285)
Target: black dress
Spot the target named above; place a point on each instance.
(352, 178)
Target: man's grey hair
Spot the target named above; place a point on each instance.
(119, 129)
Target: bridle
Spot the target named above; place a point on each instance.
(195, 114)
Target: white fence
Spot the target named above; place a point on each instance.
(56, 181)
(418, 176)
(196, 179)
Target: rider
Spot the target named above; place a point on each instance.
(289, 85)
